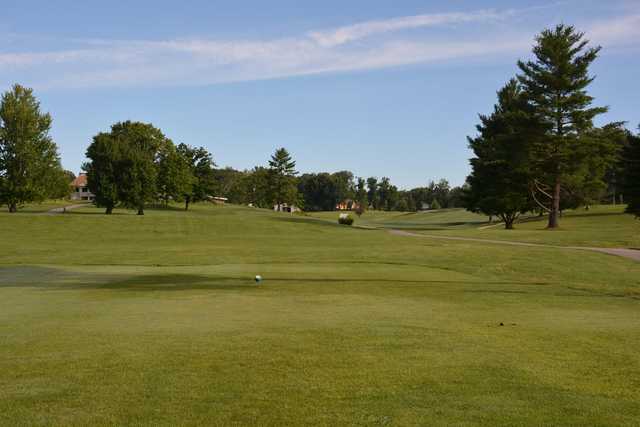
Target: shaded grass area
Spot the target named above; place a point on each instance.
(156, 320)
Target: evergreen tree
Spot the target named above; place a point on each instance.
(555, 84)
(282, 178)
(30, 169)
(499, 181)
(631, 175)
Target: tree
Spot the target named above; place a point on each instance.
(361, 196)
(227, 182)
(499, 181)
(318, 191)
(590, 185)
(257, 187)
(30, 169)
(555, 84)
(440, 191)
(631, 175)
(203, 184)
(60, 186)
(344, 187)
(103, 170)
(387, 194)
(372, 192)
(142, 145)
(175, 176)
(124, 165)
(282, 178)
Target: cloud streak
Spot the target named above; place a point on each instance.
(342, 35)
(363, 46)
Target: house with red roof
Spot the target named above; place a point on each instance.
(80, 191)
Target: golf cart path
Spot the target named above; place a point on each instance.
(63, 209)
(632, 254)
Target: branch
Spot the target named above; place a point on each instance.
(535, 181)
(533, 194)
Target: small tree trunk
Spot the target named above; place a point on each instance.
(141, 210)
(508, 220)
(186, 204)
(13, 207)
(109, 210)
(554, 215)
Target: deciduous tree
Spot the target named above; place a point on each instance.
(175, 176)
(201, 165)
(30, 168)
(104, 170)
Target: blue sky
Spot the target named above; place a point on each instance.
(381, 88)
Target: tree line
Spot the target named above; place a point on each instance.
(134, 165)
(325, 191)
(539, 149)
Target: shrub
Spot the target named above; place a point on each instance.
(345, 219)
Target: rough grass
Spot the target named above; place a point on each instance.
(156, 320)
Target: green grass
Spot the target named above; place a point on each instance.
(111, 320)
(602, 226)
(444, 219)
(38, 208)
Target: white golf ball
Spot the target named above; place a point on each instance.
(258, 279)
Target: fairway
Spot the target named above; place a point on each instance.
(157, 320)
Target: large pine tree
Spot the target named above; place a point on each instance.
(555, 83)
(30, 169)
(282, 178)
(499, 182)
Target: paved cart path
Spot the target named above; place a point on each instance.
(66, 208)
(623, 252)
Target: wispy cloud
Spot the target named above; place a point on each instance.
(358, 31)
(363, 46)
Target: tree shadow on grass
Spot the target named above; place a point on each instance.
(308, 221)
(51, 278)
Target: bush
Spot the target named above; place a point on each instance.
(345, 219)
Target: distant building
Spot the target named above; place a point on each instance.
(80, 191)
(286, 208)
(347, 205)
(218, 200)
